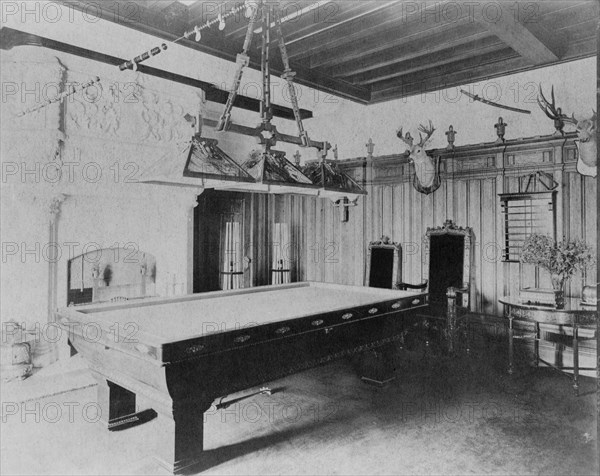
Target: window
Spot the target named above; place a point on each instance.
(524, 214)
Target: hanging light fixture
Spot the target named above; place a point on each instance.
(203, 163)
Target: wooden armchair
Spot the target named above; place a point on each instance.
(446, 268)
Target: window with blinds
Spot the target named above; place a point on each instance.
(524, 214)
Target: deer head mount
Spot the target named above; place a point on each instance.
(427, 169)
(586, 132)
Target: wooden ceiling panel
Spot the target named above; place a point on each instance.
(403, 49)
(441, 72)
(421, 83)
(361, 27)
(427, 61)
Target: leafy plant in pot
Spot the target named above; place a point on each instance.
(561, 260)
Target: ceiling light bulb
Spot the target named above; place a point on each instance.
(198, 33)
(221, 22)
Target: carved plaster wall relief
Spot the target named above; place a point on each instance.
(128, 111)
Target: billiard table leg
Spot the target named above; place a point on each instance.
(181, 434)
(114, 401)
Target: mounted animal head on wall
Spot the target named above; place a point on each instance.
(427, 169)
(586, 132)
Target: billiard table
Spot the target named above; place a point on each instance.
(179, 354)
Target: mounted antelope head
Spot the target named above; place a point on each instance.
(427, 169)
(586, 132)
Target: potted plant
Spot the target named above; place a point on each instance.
(561, 260)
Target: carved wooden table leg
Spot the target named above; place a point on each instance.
(114, 401)
(378, 365)
(181, 435)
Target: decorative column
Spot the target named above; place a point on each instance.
(54, 214)
(190, 203)
(176, 276)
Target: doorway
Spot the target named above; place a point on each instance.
(223, 257)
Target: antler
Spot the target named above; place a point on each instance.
(551, 110)
(428, 131)
(407, 139)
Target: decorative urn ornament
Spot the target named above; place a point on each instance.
(561, 260)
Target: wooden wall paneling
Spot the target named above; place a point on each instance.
(387, 211)
(377, 230)
(249, 234)
(396, 213)
(303, 239)
(590, 210)
(576, 226)
(417, 232)
(316, 245)
(440, 209)
(332, 240)
(427, 211)
(561, 156)
(369, 203)
(488, 246)
(322, 239)
(562, 203)
(474, 221)
(251, 251)
(345, 233)
(461, 203)
(264, 248)
(451, 189)
(469, 196)
(292, 249)
(357, 221)
(406, 223)
(501, 268)
(310, 232)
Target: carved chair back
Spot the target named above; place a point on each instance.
(384, 264)
(447, 255)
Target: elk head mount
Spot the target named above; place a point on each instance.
(586, 133)
(427, 169)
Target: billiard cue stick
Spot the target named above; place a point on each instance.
(221, 404)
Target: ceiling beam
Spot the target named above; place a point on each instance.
(403, 49)
(440, 74)
(340, 34)
(430, 83)
(453, 54)
(331, 22)
(448, 77)
(503, 21)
